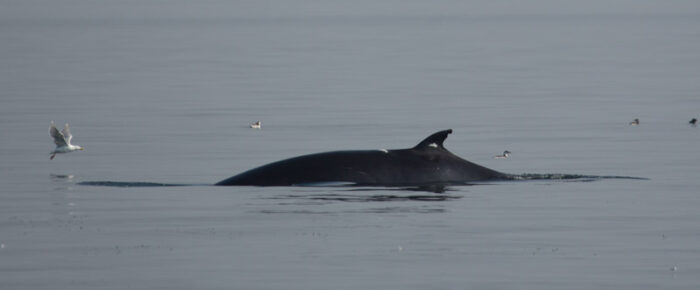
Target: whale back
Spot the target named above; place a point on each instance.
(424, 164)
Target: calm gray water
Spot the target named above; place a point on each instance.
(163, 91)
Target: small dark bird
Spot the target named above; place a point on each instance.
(635, 122)
(693, 122)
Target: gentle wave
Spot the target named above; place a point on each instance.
(439, 188)
(133, 184)
(560, 176)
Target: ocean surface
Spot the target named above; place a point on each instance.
(164, 91)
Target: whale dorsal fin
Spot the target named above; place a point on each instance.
(434, 141)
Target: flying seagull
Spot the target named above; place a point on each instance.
(62, 140)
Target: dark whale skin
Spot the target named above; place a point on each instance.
(428, 163)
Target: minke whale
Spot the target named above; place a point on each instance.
(428, 163)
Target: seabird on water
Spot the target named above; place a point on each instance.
(503, 156)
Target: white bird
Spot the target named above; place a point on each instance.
(504, 156)
(256, 125)
(62, 140)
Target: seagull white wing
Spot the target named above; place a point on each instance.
(58, 138)
(66, 134)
